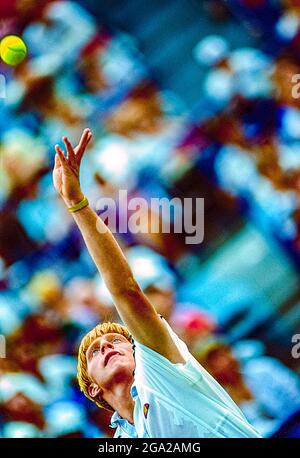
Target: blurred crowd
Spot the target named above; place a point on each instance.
(244, 134)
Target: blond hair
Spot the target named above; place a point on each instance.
(82, 372)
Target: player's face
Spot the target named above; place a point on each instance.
(110, 361)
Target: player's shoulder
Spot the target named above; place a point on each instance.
(145, 353)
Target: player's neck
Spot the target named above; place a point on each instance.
(120, 399)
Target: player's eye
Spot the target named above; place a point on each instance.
(116, 340)
(95, 351)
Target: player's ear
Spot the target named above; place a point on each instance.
(94, 390)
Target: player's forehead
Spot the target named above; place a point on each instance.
(108, 337)
(112, 335)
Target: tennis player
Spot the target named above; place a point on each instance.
(141, 371)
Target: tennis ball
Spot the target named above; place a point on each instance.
(12, 50)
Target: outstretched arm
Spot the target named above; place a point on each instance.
(133, 306)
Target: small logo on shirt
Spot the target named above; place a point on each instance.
(146, 409)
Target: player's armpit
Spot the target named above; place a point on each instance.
(145, 325)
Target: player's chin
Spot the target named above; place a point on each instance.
(118, 363)
(119, 366)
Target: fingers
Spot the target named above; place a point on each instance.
(89, 137)
(57, 162)
(70, 151)
(74, 156)
(85, 139)
(61, 157)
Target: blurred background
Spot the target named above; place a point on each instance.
(185, 98)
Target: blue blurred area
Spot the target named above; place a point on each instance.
(185, 99)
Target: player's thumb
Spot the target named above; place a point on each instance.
(57, 162)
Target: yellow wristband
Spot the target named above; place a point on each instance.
(83, 203)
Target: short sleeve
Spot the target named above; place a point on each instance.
(181, 399)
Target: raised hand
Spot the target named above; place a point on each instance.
(66, 169)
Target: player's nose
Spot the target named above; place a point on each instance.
(106, 344)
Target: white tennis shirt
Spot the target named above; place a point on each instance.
(179, 400)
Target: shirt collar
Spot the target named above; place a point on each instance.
(115, 420)
(118, 421)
